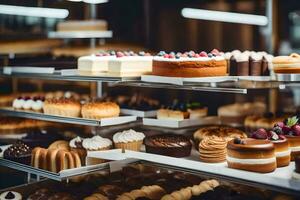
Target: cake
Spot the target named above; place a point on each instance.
(168, 145)
(99, 110)
(290, 128)
(95, 63)
(242, 64)
(18, 152)
(228, 133)
(29, 103)
(189, 64)
(10, 195)
(212, 149)
(287, 64)
(281, 145)
(235, 114)
(128, 139)
(251, 155)
(130, 64)
(296, 173)
(96, 143)
(62, 107)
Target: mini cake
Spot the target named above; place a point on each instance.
(296, 173)
(290, 128)
(94, 64)
(130, 64)
(251, 155)
(28, 103)
(62, 107)
(18, 152)
(99, 110)
(213, 149)
(281, 145)
(76, 144)
(235, 114)
(256, 67)
(287, 64)
(96, 143)
(242, 64)
(10, 195)
(128, 139)
(189, 64)
(168, 145)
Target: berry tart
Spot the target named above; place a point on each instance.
(129, 63)
(251, 155)
(95, 63)
(189, 64)
(29, 103)
(290, 128)
(281, 145)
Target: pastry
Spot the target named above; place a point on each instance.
(235, 114)
(95, 63)
(153, 192)
(96, 196)
(128, 139)
(130, 64)
(172, 114)
(221, 131)
(281, 145)
(96, 143)
(76, 145)
(251, 155)
(290, 128)
(189, 64)
(18, 152)
(168, 145)
(287, 64)
(296, 173)
(60, 144)
(10, 195)
(29, 103)
(62, 107)
(213, 149)
(253, 122)
(242, 64)
(99, 110)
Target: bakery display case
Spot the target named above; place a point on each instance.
(154, 124)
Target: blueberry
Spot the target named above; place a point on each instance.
(214, 55)
(277, 130)
(177, 56)
(141, 53)
(161, 53)
(237, 141)
(172, 53)
(210, 55)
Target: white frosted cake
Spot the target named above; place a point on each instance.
(130, 64)
(94, 64)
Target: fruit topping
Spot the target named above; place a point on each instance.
(291, 121)
(277, 130)
(196, 55)
(210, 55)
(260, 134)
(273, 135)
(172, 56)
(238, 141)
(166, 56)
(120, 54)
(177, 56)
(203, 54)
(296, 130)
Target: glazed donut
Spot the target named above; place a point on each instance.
(51, 160)
(76, 159)
(64, 160)
(38, 158)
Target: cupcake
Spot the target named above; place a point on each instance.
(96, 143)
(128, 139)
(76, 145)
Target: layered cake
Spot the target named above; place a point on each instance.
(281, 145)
(251, 155)
(130, 64)
(296, 173)
(189, 64)
(248, 63)
(287, 64)
(168, 145)
(235, 114)
(290, 128)
(95, 63)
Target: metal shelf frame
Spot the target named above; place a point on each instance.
(79, 34)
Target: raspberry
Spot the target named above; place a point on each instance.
(203, 54)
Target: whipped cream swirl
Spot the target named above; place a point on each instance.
(76, 142)
(96, 143)
(128, 136)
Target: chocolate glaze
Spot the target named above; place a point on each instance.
(251, 145)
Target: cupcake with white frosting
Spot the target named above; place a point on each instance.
(128, 139)
(96, 143)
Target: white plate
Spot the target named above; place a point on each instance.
(4, 147)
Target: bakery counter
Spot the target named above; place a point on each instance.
(141, 182)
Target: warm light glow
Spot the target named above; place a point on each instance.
(221, 16)
(91, 1)
(34, 11)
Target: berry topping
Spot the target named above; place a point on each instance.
(296, 130)
(106, 54)
(147, 54)
(277, 130)
(273, 136)
(172, 56)
(99, 54)
(27, 98)
(166, 56)
(19, 98)
(281, 137)
(177, 56)
(113, 53)
(203, 54)
(120, 54)
(260, 134)
(196, 55)
(172, 53)
(279, 124)
(184, 55)
(215, 52)
(210, 55)
(286, 129)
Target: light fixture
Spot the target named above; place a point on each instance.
(91, 1)
(221, 16)
(34, 11)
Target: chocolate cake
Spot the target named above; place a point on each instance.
(168, 145)
(18, 152)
